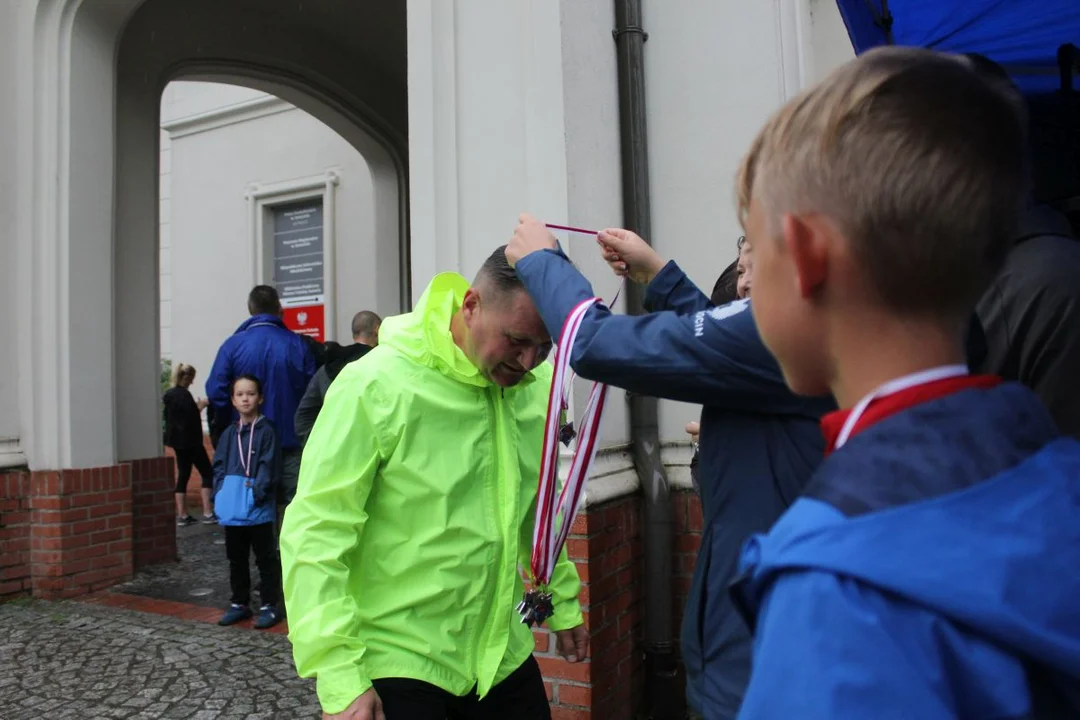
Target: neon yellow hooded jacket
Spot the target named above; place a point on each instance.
(414, 511)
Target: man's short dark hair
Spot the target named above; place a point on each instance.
(726, 288)
(497, 274)
(365, 322)
(263, 300)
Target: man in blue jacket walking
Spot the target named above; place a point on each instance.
(760, 443)
(262, 346)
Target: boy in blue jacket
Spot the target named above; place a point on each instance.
(930, 568)
(247, 472)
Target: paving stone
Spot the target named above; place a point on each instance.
(75, 660)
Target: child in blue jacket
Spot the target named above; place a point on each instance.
(929, 570)
(247, 472)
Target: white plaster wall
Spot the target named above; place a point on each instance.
(9, 375)
(830, 45)
(594, 194)
(209, 231)
(714, 73)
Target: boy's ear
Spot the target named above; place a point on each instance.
(806, 238)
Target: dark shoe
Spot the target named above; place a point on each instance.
(185, 521)
(235, 614)
(210, 519)
(268, 617)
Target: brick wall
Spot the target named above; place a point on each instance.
(15, 578)
(81, 530)
(688, 523)
(154, 518)
(71, 532)
(606, 545)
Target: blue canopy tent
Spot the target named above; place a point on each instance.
(1024, 36)
(1036, 41)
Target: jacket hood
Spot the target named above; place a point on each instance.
(261, 320)
(998, 556)
(423, 335)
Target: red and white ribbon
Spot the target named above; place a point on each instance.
(547, 541)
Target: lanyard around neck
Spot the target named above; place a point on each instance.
(246, 464)
(894, 386)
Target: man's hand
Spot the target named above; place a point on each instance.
(572, 644)
(693, 429)
(628, 254)
(366, 707)
(529, 237)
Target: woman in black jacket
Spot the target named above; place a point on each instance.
(184, 434)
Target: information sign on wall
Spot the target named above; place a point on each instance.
(298, 265)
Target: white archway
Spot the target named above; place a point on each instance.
(88, 128)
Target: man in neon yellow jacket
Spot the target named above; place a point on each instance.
(414, 513)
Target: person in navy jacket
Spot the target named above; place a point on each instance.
(263, 347)
(759, 441)
(930, 569)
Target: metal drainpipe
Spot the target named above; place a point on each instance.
(661, 699)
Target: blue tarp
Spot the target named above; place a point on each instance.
(1015, 33)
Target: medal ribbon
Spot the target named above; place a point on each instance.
(251, 444)
(547, 541)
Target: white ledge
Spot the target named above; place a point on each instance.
(11, 454)
(228, 115)
(613, 475)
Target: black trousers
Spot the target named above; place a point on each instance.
(520, 696)
(185, 458)
(240, 541)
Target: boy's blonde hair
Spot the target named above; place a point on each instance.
(918, 158)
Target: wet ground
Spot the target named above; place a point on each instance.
(82, 660)
(200, 578)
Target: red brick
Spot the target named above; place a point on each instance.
(580, 526)
(697, 520)
(91, 551)
(575, 695)
(577, 549)
(542, 640)
(15, 572)
(564, 713)
(87, 527)
(582, 571)
(12, 587)
(550, 690)
(687, 543)
(89, 498)
(552, 668)
(110, 508)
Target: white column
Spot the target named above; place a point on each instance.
(63, 229)
(486, 127)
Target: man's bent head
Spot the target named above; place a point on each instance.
(505, 337)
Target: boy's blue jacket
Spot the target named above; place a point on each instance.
(262, 346)
(759, 442)
(265, 459)
(931, 570)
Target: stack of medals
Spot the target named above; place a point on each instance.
(537, 606)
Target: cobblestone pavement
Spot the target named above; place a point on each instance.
(200, 578)
(74, 660)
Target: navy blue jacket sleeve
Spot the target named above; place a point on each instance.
(221, 456)
(831, 648)
(671, 289)
(217, 382)
(712, 357)
(269, 467)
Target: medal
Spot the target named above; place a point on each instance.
(536, 605)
